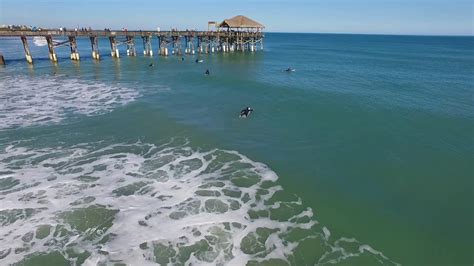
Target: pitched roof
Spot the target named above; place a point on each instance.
(240, 22)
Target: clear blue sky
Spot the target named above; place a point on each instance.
(427, 17)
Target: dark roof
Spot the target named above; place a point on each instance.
(240, 22)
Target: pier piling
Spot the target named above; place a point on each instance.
(73, 45)
(114, 51)
(28, 56)
(95, 47)
(52, 53)
(177, 45)
(163, 45)
(131, 46)
(147, 49)
(189, 41)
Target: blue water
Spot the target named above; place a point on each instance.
(372, 133)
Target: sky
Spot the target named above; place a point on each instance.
(413, 17)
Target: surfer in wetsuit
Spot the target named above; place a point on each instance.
(207, 72)
(246, 112)
(150, 65)
(289, 69)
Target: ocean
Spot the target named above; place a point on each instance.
(361, 156)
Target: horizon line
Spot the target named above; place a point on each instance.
(385, 34)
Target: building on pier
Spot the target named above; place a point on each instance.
(241, 23)
(240, 27)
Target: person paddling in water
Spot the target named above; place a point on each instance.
(246, 112)
(207, 73)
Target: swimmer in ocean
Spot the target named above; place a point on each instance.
(246, 112)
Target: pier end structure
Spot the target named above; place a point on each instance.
(241, 41)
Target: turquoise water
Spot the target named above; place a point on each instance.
(363, 155)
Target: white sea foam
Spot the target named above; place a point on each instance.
(140, 204)
(40, 41)
(28, 101)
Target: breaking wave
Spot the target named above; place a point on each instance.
(140, 204)
(31, 101)
(40, 41)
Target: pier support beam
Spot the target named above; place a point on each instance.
(252, 45)
(131, 46)
(163, 46)
(52, 53)
(159, 44)
(177, 45)
(199, 41)
(95, 47)
(73, 45)
(203, 45)
(147, 49)
(114, 51)
(215, 47)
(217, 43)
(28, 56)
(189, 41)
(225, 47)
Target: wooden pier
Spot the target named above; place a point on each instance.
(236, 34)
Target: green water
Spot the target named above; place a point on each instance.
(372, 133)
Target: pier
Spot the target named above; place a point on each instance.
(236, 34)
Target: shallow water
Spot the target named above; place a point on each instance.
(361, 156)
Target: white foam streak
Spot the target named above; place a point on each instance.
(40, 41)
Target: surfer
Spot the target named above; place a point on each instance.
(246, 112)
(289, 69)
(207, 72)
(150, 65)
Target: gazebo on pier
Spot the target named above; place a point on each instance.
(241, 23)
(243, 33)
